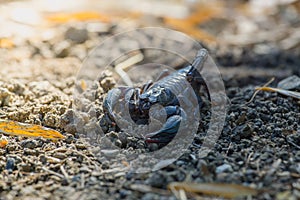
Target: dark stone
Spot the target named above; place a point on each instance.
(242, 132)
(10, 164)
(290, 83)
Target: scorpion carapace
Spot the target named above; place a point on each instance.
(163, 92)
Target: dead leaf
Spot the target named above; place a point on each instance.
(28, 130)
(214, 189)
(6, 43)
(190, 24)
(3, 143)
(79, 16)
(83, 85)
(190, 30)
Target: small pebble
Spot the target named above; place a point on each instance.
(10, 164)
(224, 168)
(29, 143)
(76, 35)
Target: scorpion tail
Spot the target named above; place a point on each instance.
(193, 75)
(199, 60)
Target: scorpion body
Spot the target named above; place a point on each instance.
(163, 92)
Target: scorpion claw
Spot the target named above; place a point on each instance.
(167, 132)
(107, 123)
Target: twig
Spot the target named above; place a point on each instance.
(292, 143)
(63, 171)
(127, 63)
(87, 158)
(61, 150)
(113, 170)
(53, 173)
(287, 93)
(82, 178)
(228, 148)
(248, 159)
(182, 194)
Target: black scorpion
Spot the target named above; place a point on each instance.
(141, 99)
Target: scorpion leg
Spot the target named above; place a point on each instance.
(169, 129)
(167, 132)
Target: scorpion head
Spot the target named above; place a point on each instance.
(156, 95)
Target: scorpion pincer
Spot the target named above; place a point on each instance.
(140, 100)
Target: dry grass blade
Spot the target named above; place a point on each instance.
(255, 93)
(28, 130)
(214, 189)
(280, 91)
(147, 189)
(127, 63)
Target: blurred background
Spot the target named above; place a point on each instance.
(256, 34)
